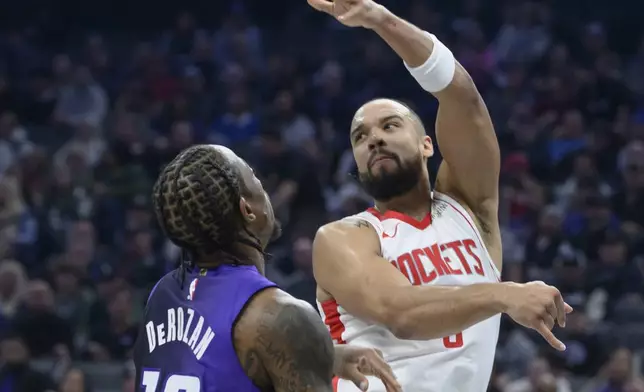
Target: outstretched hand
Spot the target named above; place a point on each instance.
(352, 13)
(354, 363)
(539, 306)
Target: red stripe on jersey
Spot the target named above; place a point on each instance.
(419, 224)
(476, 232)
(335, 384)
(332, 320)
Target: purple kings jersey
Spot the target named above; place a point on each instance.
(185, 341)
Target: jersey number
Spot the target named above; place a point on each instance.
(174, 383)
(453, 341)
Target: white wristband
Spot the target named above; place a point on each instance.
(438, 71)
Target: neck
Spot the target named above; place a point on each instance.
(416, 203)
(244, 254)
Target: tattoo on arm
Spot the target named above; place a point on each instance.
(291, 350)
(361, 223)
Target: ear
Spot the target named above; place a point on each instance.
(246, 210)
(427, 147)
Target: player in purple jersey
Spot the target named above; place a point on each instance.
(228, 328)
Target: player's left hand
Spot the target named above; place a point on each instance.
(352, 13)
(354, 363)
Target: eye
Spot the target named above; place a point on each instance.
(390, 125)
(358, 137)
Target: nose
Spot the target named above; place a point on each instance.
(376, 141)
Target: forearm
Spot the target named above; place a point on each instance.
(408, 41)
(414, 46)
(431, 312)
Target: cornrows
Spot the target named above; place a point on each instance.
(195, 200)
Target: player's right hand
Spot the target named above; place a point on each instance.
(538, 306)
(354, 363)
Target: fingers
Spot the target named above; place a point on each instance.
(322, 5)
(350, 14)
(548, 319)
(354, 374)
(568, 308)
(561, 310)
(550, 337)
(375, 365)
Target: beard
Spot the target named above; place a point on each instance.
(387, 184)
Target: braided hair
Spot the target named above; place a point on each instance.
(196, 199)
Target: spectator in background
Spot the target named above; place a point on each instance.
(617, 375)
(13, 141)
(522, 193)
(181, 39)
(613, 272)
(584, 171)
(39, 325)
(630, 196)
(82, 101)
(238, 125)
(74, 381)
(543, 245)
(14, 215)
(12, 285)
(139, 262)
(238, 40)
(71, 302)
(540, 378)
(524, 36)
(115, 339)
(302, 284)
(85, 142)
(297, 130)
(15, 372)
(584, 353)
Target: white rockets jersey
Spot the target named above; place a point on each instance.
(445, 248)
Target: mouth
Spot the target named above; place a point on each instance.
(380, 159)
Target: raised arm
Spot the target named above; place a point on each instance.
(463, 127)
(283, 346)
(348, 266)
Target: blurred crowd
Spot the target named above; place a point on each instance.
(88, 119)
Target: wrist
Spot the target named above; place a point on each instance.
(503, 295)
(382, 18)
(338, 355)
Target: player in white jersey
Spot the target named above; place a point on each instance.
(417, 276)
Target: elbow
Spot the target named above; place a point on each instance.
(399, 322)
(462, 90)
(401, 328)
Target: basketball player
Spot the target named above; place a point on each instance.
(228, 328)
(418, 275)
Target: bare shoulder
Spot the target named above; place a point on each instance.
(283, 345)
(346, 230)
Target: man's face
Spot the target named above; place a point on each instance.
(390, 148)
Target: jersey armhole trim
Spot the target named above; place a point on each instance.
(470, 221)
(331, 312)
